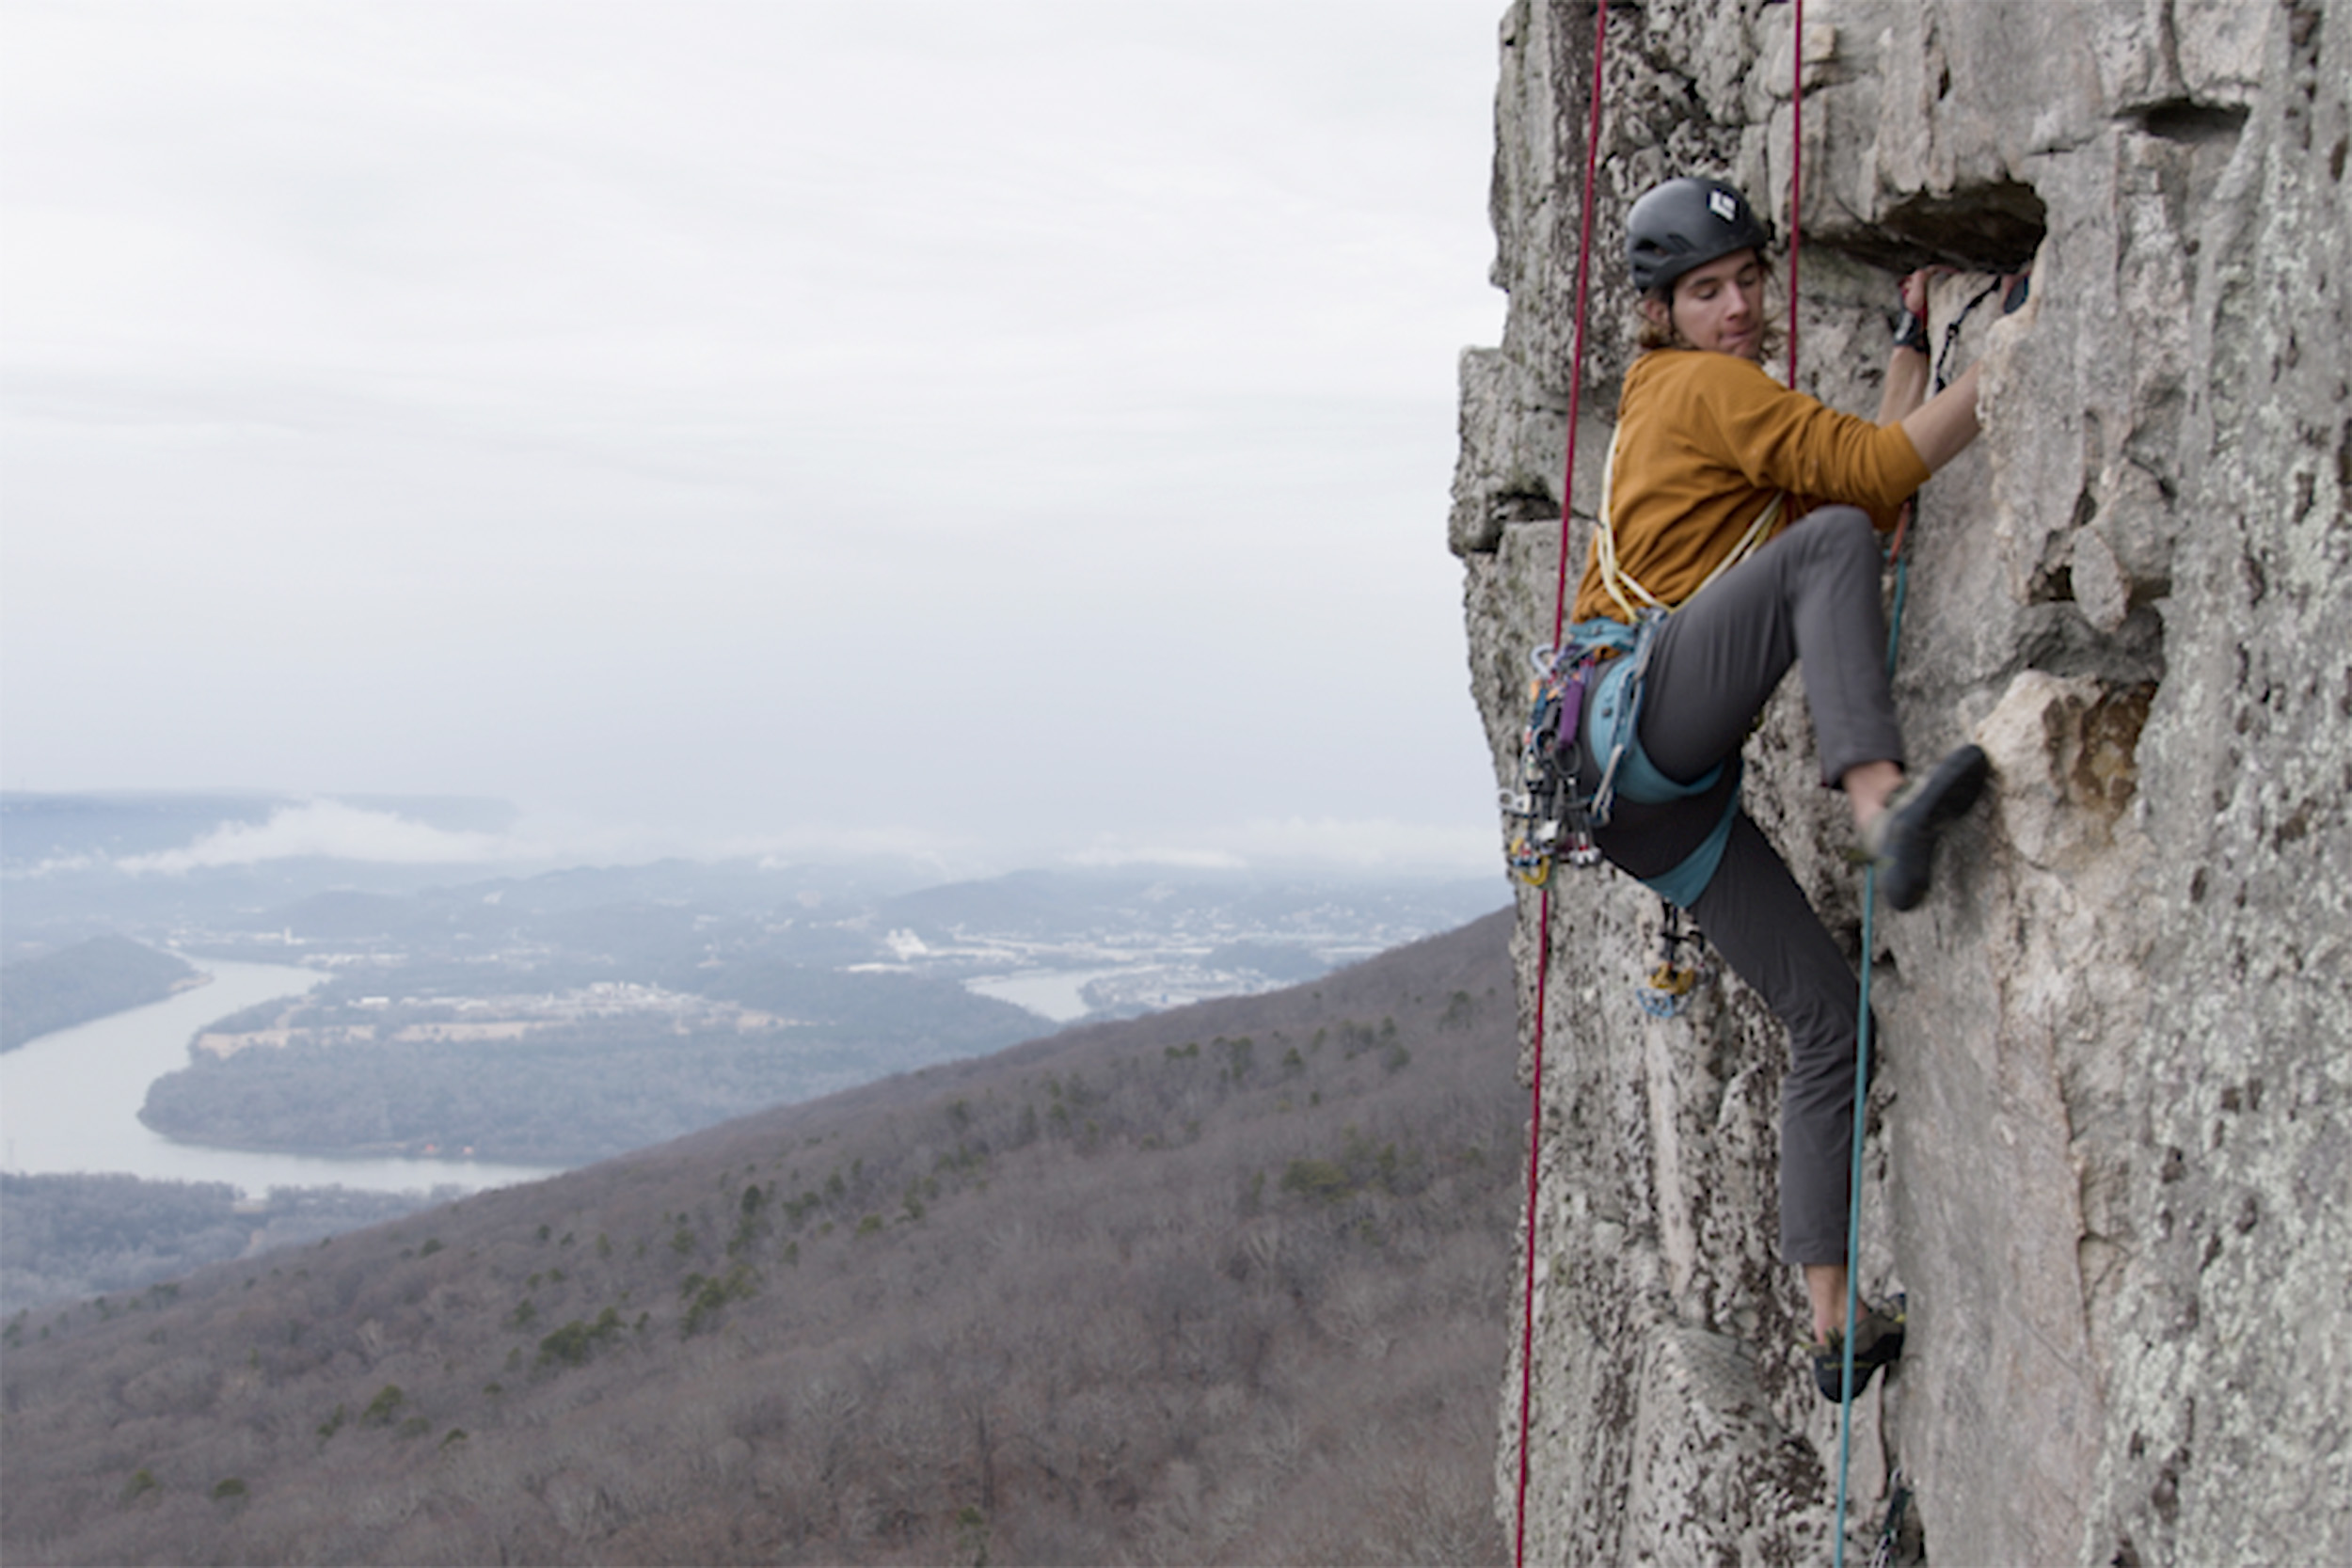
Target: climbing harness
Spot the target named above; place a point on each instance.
(1603, 665)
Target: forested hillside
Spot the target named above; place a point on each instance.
(338, 1078)
(63, 1236)
(88, 980)
(1221, 1284)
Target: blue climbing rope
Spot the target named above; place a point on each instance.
(1853, 1207)
(1939, 380)
(1861, 1115)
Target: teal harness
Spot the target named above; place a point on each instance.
(1614, 729)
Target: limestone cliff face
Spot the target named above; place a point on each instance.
(2110, 1159)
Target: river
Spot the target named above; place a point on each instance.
(69, 1101)
(1054, 993)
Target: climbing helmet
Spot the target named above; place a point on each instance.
(1686, 223)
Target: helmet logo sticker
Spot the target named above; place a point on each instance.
(1723, 205)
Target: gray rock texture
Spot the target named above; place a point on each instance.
(2109, 1157)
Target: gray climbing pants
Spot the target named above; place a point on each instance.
(1809, 597)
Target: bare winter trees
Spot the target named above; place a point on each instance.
(1226, 1284)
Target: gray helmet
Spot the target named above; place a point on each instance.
(1686, 223)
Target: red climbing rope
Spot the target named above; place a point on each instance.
(1796, 168)
(1543, 913)
(1559, 623)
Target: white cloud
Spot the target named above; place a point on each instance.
(328, 830)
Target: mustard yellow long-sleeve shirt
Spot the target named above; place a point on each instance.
(1704, 441)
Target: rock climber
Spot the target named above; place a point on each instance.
(1750, 513)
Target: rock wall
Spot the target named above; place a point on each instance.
(2109, 1150)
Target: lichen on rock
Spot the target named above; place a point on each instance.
(2109, 1157)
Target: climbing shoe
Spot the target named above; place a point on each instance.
(1877, 1338)
(1900, 840)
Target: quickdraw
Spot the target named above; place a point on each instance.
(1551, 819)
(1665, 990)
(1891, 1531)
(1951, 332)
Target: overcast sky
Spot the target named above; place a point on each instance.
(1008, 430)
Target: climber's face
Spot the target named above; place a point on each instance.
(1719, 306)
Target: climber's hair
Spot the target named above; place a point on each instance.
(1649, 335)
